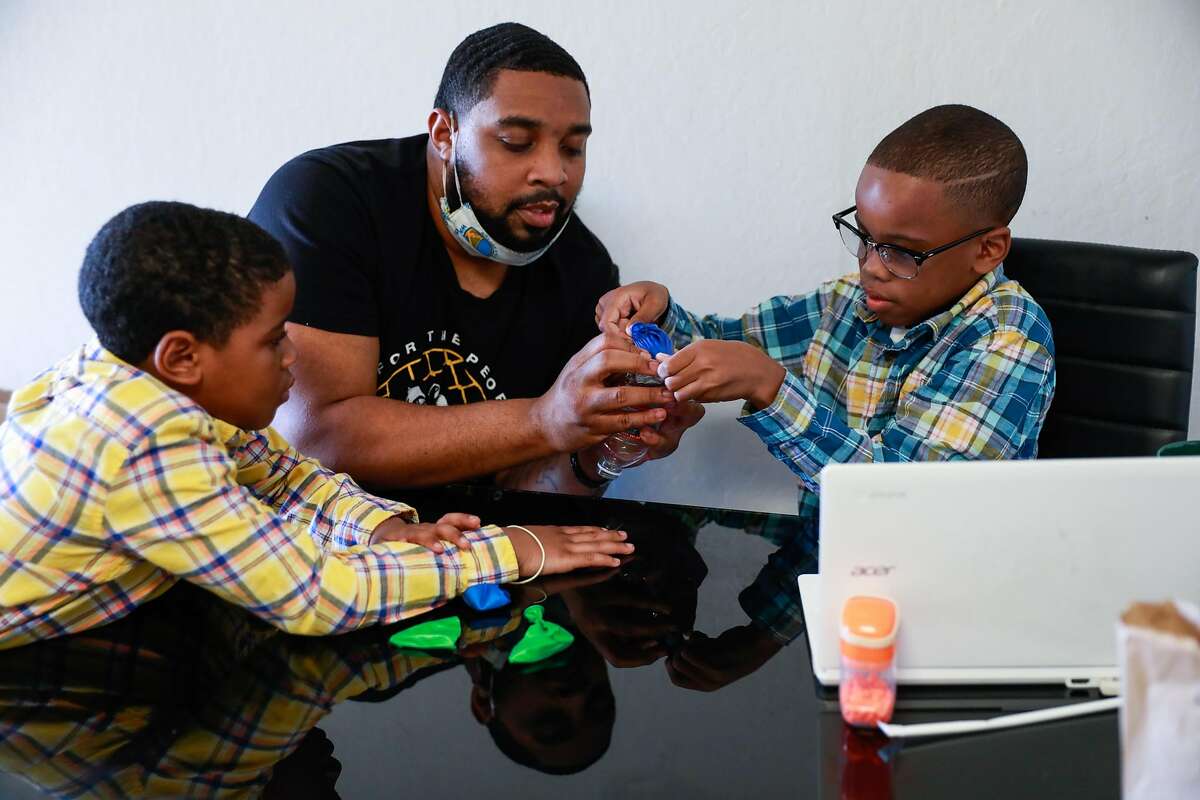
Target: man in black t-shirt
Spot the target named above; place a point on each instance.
(447, 269)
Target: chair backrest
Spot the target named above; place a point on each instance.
(1124, 323)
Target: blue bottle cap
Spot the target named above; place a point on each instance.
(651, 338)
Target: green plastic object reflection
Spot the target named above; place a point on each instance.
(542, 640)
(439, 634)
(554, 662)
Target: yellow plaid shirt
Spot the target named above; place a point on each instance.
(73, 711)
(113, 486)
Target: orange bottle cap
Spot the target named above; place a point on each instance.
(869, 629)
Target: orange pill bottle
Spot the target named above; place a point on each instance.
(867, 686)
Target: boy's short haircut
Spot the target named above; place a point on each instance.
(979, 159)
(158, 267)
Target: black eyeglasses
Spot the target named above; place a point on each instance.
(900, 261)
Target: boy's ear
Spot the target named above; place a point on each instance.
(441, 127)
(481, 705)
(176, 359)
(993, 249)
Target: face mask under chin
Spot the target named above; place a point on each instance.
(470, 233)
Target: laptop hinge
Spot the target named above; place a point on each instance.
(1109, 687)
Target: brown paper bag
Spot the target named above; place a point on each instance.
(1159, 651)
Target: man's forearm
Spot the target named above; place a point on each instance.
(392, 443)
(554, 474)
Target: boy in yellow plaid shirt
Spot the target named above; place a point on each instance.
(145, 457)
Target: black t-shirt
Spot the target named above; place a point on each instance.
(368, 260)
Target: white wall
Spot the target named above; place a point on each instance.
(725, 135)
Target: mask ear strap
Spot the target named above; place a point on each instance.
(453, 162)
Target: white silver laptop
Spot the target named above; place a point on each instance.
(1004, 572)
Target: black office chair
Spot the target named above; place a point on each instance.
(1124, 324)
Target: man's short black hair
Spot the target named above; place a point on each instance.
(519, 754)
(158, 267)
(979, 159)
(471, 71)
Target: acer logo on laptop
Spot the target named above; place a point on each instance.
(869, 571)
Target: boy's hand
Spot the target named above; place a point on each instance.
(567, 547)
(644, 301)
(710, 371)
(450, 528)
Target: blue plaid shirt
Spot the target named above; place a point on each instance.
(973, 382)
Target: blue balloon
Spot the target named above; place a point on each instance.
(486, 596)
(651, 338)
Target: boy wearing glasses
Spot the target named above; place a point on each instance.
(927, 352)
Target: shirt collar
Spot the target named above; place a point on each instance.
(96, 359)
(97, 362)
(936, 325)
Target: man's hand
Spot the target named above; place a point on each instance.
(710, 371)
(680, 417)
(450, 528)
(660, 443)
(581, 408)
(626, 622)
(644, 301)
(705, 664)
(567, 547)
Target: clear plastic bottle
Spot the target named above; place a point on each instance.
(867, 681)
(623, 450)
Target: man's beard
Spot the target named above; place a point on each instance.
(498, 228)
